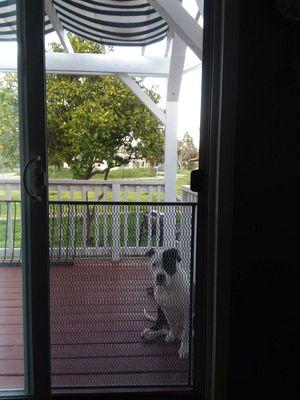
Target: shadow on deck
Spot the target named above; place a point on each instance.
(97, 316)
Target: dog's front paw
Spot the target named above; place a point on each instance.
(183, 351)
(170, 337)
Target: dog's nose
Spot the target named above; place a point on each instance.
(160, 279)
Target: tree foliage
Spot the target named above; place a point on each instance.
(186, 151)
(91, 121)
(96, 120)
(9, 124)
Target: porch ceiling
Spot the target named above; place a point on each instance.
(109, 22)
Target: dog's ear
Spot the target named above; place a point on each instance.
(150, 253)
(169, 260)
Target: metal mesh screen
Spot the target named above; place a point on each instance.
(121, 289)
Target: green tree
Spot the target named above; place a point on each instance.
(97, 120)
(9, 125)
(186, 151)
(91, 120)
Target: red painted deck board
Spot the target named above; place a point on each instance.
(97, 316)
(121, 380)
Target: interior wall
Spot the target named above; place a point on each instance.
(265, 254)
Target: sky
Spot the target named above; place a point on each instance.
(190, 93)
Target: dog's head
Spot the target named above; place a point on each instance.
(164, 265)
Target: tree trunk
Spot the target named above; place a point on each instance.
(90, 210)
(106, 173)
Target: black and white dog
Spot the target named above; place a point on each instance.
(172, 294)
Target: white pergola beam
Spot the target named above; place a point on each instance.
(144, 98)
(50, 11)
(200, 4)
(129, 82)
(192, 68)
(176, 68)
(181, 22)
(96, 64)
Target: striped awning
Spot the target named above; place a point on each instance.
(109, 22)
(8, 29)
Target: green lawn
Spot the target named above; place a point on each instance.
(183, 178)
(120, 174)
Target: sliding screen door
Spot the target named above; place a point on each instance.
(34, 196)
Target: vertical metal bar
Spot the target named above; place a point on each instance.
(13, 231)
(60, 222)
(116, 225)
(67, 241)
(150, 221)
(192, 236)
(137, 225)
(97, 225)
(52, 225)
(35, 248)
(159, 228)
(6, 232)
(75, 230)
(126, 224)
(72, 224)
(9, 220)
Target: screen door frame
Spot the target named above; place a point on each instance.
(34, 196)
(214, 218)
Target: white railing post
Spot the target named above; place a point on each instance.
(116, 242)
(116, 190)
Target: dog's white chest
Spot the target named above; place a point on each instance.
(172, 298)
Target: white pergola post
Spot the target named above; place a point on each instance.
(174, 82)
(171, 150)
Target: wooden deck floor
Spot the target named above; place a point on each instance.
(96, 323)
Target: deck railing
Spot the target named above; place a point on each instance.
(188, 195)
(102, 229)
(62, 189)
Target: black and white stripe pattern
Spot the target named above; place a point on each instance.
(110, 22)
(8, 28)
